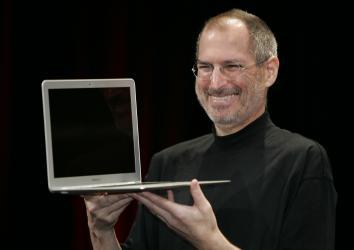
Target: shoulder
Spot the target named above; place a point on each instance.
(305, 153)
(290, 141)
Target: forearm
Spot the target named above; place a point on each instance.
(104, 240)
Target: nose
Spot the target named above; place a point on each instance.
(217, 79)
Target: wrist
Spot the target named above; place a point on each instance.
(217, 241)
(102, 234)
(104, 239)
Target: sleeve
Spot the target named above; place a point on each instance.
(310, 217)
(144, 232)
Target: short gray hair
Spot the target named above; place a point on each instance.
(263, 44)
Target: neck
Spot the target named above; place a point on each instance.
(228, 129)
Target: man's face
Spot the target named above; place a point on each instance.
(230, 101)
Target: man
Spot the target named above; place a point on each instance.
(281, 195)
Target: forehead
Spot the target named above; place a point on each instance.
(226, 41)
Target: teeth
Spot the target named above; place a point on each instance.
(223, 92)
(224, 99)
(225, 96)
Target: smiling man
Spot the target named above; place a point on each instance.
(231, 79)
(281, 194)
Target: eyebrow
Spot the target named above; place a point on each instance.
(224, 62)
(201, 62)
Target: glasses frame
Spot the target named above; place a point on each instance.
(222, 68)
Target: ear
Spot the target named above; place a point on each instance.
(271, 70)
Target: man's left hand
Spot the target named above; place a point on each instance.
(196, 223)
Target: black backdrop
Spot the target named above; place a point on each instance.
(154, 43)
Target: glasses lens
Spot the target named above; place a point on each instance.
(202, 71)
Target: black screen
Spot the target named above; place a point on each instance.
(92, 131)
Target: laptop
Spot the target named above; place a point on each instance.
(92, 139)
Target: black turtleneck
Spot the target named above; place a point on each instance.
(281, 194)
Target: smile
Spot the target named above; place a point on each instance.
(222, 101)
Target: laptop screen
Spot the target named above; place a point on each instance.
(92, 131)
(91, 137)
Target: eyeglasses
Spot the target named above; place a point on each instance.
(204, 71)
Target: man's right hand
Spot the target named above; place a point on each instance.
(103, 212)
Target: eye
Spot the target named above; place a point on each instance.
(233, 67)
(205, 67)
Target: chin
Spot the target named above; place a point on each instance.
(223, 119)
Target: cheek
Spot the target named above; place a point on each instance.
(201, 84)
(199, 92)
(251, 83)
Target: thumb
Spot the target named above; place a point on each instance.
(197, 194)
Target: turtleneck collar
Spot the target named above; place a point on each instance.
(254, 127)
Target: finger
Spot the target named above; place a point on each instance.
(92, 203)
(154, 208)
(118, 205)
(104, 206)
(93, 196)
(161, 202)
(114, 198)
(170, 195)
(98, 202)
(197, 194)
(112, 212)
(116, 213)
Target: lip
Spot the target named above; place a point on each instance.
(222, 101)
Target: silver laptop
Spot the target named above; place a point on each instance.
(91, 136)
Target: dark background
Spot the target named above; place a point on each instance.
(154, 43)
